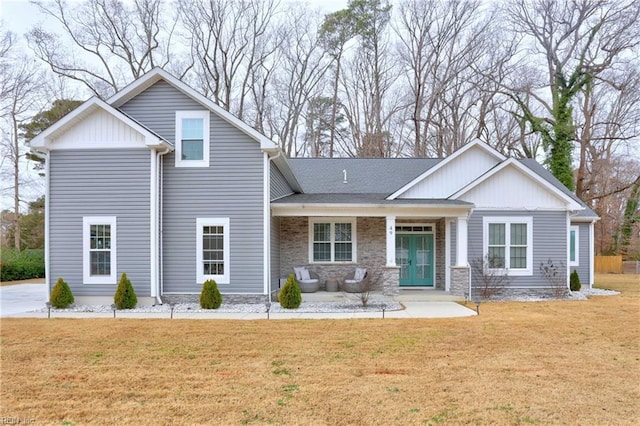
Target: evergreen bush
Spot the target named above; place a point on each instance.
(290, 295)
(210, 297)
(574, 281)
(125, 297)
(61, 296)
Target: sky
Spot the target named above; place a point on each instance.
(20, 15)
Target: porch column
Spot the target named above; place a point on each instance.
(447, 254)
(390, 232)
(461, 241)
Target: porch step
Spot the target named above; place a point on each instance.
(426, 295)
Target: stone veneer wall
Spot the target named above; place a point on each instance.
(371, 249)
(459, 280)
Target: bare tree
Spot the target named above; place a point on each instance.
(577, 40)
(20, 83)
(229, 41)
(105, 43)
(302, 67)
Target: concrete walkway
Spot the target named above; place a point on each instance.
(21, 299)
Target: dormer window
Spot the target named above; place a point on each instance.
(192, 139)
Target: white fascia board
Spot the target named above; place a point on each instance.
(571, 203)
(43, 140)
(444, 163)
(368, 210)
(157, 74)
(584, 219)
(282, 163)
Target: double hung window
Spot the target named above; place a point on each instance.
(212, 250)
(192, 139)
(508, 244)
(332, 240)
(99, 249)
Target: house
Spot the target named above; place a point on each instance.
(161, 183)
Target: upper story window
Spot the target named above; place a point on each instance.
(192, 139)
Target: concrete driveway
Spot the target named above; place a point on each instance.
(20, 298)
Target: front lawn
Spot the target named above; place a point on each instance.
(574, 362)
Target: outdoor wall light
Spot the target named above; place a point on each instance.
(48, 305)
(113, 308)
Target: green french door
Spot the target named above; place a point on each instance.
(414, 256)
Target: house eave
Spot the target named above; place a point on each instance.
(368, 210)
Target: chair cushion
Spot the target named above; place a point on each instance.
(310, 281)
(351, 281)
(360, 273)
(298, 271)
(304, 275)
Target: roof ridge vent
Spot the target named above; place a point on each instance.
(344, 176)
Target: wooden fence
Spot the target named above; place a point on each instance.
(608, 264)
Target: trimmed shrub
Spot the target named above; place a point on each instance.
(125, 297)
(210, 297)
(61, 296)
(574, 281)
(290, 295)
(21, 265)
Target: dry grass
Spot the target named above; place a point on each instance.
(552, 362)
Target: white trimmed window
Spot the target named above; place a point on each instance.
(99, 250)
(508, 244)
(332, 240)
(574, 239)
(192, 139)
(212, 250)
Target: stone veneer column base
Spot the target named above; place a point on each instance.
(391, 280)
(460, 280)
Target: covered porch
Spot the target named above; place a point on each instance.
(409, 249)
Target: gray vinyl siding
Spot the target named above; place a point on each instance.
(275, 253)
(100, 183)
(549, 242)
(231, 187)
(584, 261)
(279, 185)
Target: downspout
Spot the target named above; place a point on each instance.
(158, 233)
(47, 258)
(268, 230)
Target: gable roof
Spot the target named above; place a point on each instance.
(44, 139)
(572, 204)
(446, 161)
(536, 167)
(157, 74)
(364, 175)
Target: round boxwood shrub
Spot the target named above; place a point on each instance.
(210, 297)
(290, 296)
(125, 297)
(574, 281)
(61, 296)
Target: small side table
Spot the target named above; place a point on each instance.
(332, 284)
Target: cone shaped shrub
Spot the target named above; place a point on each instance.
(61, 296)
(210, 297)
(125, 297)
(574, 281)
(290, 296)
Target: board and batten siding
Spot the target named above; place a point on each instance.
(279, 185)
(584, 261)
(549, 241)
(103, 182)
(231, 187)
